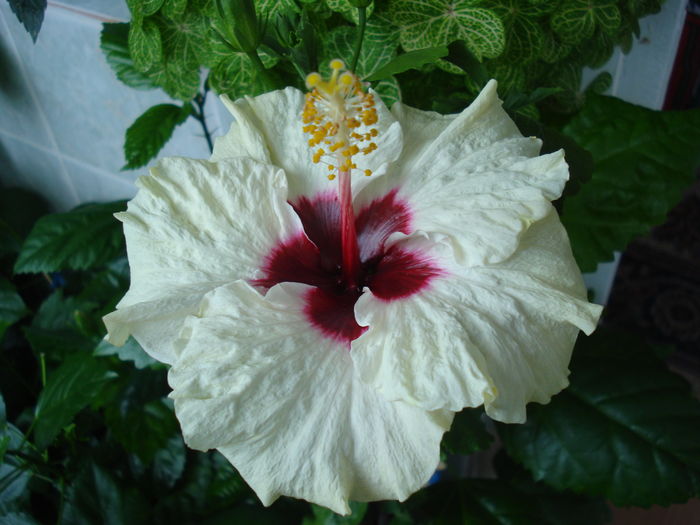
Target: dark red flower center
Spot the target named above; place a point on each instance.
(315, 257)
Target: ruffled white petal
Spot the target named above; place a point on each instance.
(195, 225)
(283, 404)
(500, 334)
(472, 177)
(269, 128)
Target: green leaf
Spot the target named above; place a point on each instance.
(643, 161)
(409, 60)
(145, 44)
(114, 42)
(86, 237)
(432, 23)
(626, 428)
(129, 351)
(324, 516)
(467, 433)
(169, 461)
(555, 507)
(389, 91)
(345, 8)
(30, 13)
(149, 7)
(460, 56)
(174, 8)
(523, 32)
(19, 210)
(96, 496)
(577, 20)
(236, 76)
(142, 420)
(151, 131)
(18, 518)
(14, 470)
(271, 8)
(340, 43)
(12, 307)
(600, 84)
(69, 389)
(472, 501)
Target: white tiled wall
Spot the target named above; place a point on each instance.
(63, 113)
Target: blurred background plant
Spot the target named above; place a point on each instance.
(87, 434)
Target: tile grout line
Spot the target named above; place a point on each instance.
(98, 171)
(40, 109)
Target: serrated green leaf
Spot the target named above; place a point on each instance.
(410, 60)
(14, 470)
(30, 13)
(150, 132)
(97, 496)
(389, 91)
(432, 23)
(176, 80)
(69, 389)
(467, 433)
(577, 20)
(340, 43)
(129, 351)
(12, 307)
(145, 44)
(324, 516)
(85, 237)
(626, 428)
(114, 42)
(643, 161)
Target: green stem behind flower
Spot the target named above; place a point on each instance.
(260, 67)
(361, 23)
(199, 100)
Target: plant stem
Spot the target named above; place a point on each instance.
(260, 67)
(200, 99)
(362, 22)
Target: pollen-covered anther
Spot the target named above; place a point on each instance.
(334, 109)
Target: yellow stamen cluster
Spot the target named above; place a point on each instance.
(334, 111)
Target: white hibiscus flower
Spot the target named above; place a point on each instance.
(321, 333)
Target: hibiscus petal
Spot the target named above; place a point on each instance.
(264, 129)
(473, 177)
(500, 335)
(284, 405)
(195, 225)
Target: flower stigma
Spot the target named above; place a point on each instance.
(334, 111)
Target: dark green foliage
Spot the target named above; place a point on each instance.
(468, 433)
(410, 60)
(30, 13)
(86, 237)
(149, 133)
(114, 43)
(643, 161)
(625, 429)
(12, 307)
